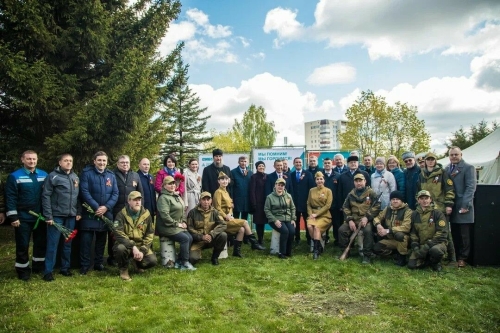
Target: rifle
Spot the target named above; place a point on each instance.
(355, 233)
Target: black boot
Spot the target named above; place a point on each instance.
(245, 239)
(215, 257)
(316, 247)
(400, 260)
(255, 244)
(237, 249)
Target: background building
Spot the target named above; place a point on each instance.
(324, 134)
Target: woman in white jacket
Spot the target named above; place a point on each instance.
(383, 181)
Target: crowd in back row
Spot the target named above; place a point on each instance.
(200, 211)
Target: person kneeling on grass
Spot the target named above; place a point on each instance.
(134, 236)
(429, 234)
(224, 205)
(207, 229)
(393, 227)
(280, 211)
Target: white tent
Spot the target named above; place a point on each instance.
(484, 155)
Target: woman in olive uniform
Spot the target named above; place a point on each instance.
(223, 203)
(318, 208)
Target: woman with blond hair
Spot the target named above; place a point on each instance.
(394, 167)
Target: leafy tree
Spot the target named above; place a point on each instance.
(376, 128)
(464, 139)
(255, 128)
(229, 141)
(81, 76)
(183, 119)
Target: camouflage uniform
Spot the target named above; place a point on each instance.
(398, 221)
(428, 235)
(134, 230)
(355, 207)
(202, 222)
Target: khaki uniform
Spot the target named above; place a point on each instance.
(206, 222)
(428, 235)
(355, 207)
(398, 221)
(319, 202)
(440, 185)
(223, 203)
(134, 230)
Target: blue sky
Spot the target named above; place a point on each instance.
(308, 60)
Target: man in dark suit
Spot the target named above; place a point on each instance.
(313, 165)
(302, 181)
(462, 215)
(286, 169)
(332, 182)
(148, 186)
(278, 173)
(241, 200)
(210, 178)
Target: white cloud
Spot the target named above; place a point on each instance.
(282, 100)
(260, 55)
(201, 19)
(177, 32)
(386, 28)
(284, 22)
(245, 42)
(197, 50)
(335, 73)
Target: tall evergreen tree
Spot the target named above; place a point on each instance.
(78, 76)
(184, 120)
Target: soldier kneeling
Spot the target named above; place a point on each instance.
(207, 229)
(428, 235)
(393, 226)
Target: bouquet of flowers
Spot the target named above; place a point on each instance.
(107, 222)
(179, 178)
(67, 233)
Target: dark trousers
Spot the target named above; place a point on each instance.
(185, 240)
(337, 220)
(259, 228)
(122, 256)
(111, 244)
(345, 233)
(287, 232)
(53, 237)
(86, 237)
(461, 239)
(217, 243)
(297, 228)
(22, 236)
(240, 215)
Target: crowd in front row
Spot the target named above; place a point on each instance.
(393, 211)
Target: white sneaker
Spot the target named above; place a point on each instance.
(187, 266)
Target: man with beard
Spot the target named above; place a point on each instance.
(207, 228)
(134, 236)
(393, 226)
(210, 177)
(411, 173)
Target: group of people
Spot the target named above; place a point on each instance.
(393, 210)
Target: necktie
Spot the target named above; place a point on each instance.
(298, 176)
(452, 168)
(279, 176)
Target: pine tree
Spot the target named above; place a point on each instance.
(183, 119)
(81, 76)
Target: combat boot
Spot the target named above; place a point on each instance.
(237, 249)
(316, 246)
(124, 274)
(255, 244)
(400, 260)
(215, 258)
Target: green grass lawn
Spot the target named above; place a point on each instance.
(259, 293)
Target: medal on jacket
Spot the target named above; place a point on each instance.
(368, 201)
(435, 179)
(151, 180)
(75, 183)
(134, 183)
(455, 172)
(431, 221)
(108, 182)
(397, 223)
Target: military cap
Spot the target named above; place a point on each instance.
(319, 174)
(168, 180)
(280, 180)
(431, 155)
(359, 176)
(205, 194)
(423, 193)
(222, 175)
(134, 195)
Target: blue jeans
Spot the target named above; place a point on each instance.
(185, 240)
(53, 237)
(86, 247)
(287, 233)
